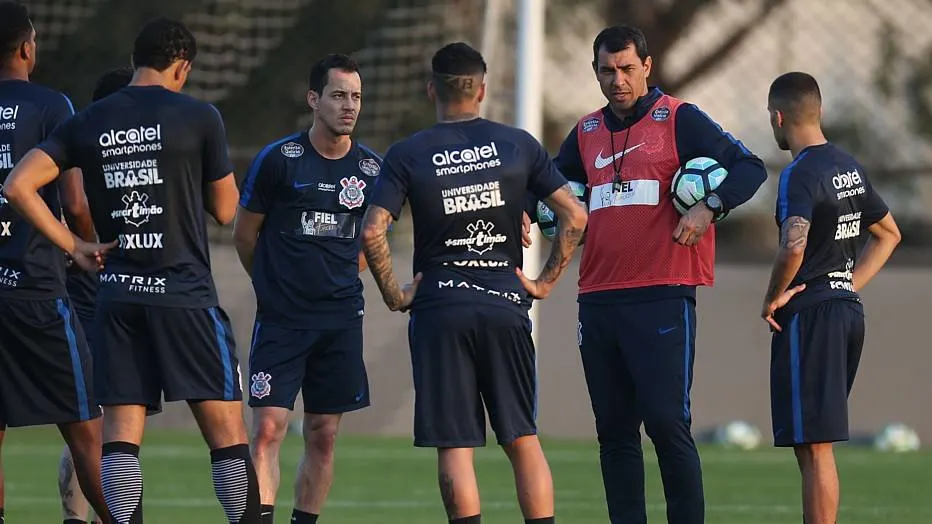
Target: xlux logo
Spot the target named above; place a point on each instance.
(6, 228)
(467, 160)
(6, 161)
(141, 241)
(478, 263)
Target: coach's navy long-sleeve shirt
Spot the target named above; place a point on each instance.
(697, 135)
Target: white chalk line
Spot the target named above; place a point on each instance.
(409, 504)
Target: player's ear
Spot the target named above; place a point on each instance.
(313, 100)
(481, 94)
(648, 63)
(431, 91)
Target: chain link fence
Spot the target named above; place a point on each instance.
(873, 59)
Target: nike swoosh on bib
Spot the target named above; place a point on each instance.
(602, 162)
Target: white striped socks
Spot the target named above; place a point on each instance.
(235, 483)
(122, 481)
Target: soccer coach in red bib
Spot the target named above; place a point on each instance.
(641, 264)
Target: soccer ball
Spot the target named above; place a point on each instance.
(738, 434)
(547, 221)
(897, 438)
(694, 180)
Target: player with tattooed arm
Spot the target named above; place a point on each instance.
(466, 181)
(824, 204)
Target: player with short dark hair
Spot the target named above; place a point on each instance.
(45, 365)
(82, 289)
(297, 234)
(153, 160)
(825, 203)
(466, 180)
(637, 285)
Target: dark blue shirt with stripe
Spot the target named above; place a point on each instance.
(306, 264)
(829, 188)
(31, 266)
(148, 155)
(697, 135)
(467, 184)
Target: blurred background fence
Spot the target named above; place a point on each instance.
(873, 59)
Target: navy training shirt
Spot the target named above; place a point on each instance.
(306, 264)
(31, 266)
(147, 155)
(829, 188)
(467, 184)
(697, 135)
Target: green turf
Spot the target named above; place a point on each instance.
(387, 481)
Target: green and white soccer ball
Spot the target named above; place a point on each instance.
(694, 180)
(738, 434)
(897, 438)
(547, 221)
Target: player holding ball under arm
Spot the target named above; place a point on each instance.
(641, 264)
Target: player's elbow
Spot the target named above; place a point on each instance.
(796, 251)
(578, 218)
(16, 190)
(574, 216)
(224, 216)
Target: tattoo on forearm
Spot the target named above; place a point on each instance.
(379, 256)
(565, 242)
(794, 233)
(448, 495)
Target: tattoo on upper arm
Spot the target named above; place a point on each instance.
(794, 233)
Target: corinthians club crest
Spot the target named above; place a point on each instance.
(261, 385)
(352, 196)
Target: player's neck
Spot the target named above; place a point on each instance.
(145, 77)
(804, 138)
(328, 144)
(14, 73)
(457, 112)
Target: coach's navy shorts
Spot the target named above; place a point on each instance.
(813, 362)
(45, 365)
(465, 359)
(326, 365)
(143, 351)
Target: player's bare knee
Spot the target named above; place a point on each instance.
(269, 430)
(812, 452)
(521, 445)
(320, 434)
(221, 422)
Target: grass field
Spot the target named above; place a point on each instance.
(386, 481)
